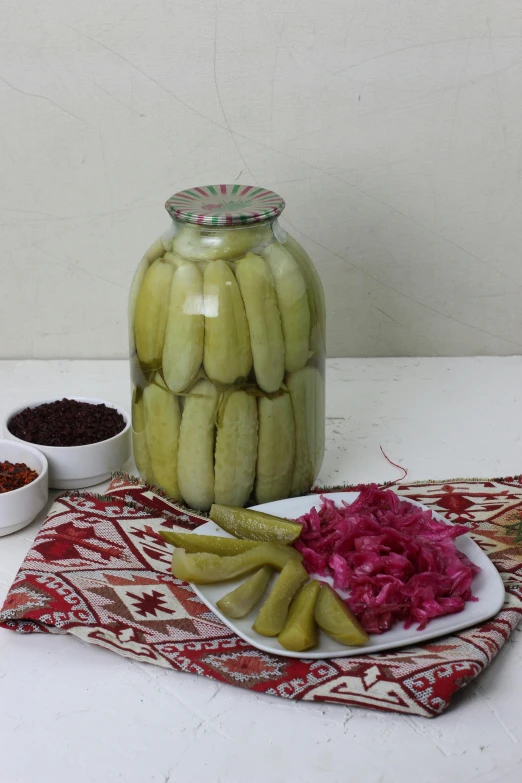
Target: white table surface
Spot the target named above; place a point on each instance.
(74, 713)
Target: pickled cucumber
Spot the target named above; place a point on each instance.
(162, 419)
(151, 311)
(155, 251)
(316, 300)
(273, 613)
(255, 525)
(196, 446)
(203, 568)
(276, 448)
(137, 281)
(300, 629)
(227, 355)
(334, 617)
(216, 545)
(236, 450)
(306, 389)
(242, 600)
(201, 244)
(139, 437)
(139, 377)
(264, 322)
(183, 346)
(292, 298)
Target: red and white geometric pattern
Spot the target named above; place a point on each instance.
(99, 570)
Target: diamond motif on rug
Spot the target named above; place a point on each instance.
(248, 668)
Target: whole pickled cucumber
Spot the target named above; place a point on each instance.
(307, 394)
(162, 417)
(139, 377)
(136, 284)
(196, 446)
(254, 525)
(300, 629)
(150, 318)
(276, 448)
(292, 298)
(203, 568)
(183, 346)
(264, 322)
(200, 244)
(272, 615)
(215, 545)
(316, 300)
(242, 600)
(139, 437)
(334, 617)
(236, 450)
(227, 355)
(155, 251)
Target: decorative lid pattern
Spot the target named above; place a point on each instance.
(225, 205)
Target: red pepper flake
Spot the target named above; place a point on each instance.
(15, 476)
(67, 423)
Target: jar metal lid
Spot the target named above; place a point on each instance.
(225, 205)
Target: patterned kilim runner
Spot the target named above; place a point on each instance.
(99, 570)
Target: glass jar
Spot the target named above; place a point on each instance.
(227, 346)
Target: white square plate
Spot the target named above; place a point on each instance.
(487, 587)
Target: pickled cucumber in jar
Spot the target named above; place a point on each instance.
(226, 337)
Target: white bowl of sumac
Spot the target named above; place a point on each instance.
(23, 485)
(84, 439)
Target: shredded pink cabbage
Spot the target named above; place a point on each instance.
(396, 560)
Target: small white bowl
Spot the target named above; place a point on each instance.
(20, 506)
(74, 467)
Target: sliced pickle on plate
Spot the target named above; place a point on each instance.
(300, 629)
(272, 615)
(334, 617)
(242, 600)
(255, 525)
(203, 568)
(215, 545)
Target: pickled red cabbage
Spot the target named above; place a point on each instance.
(395, 560)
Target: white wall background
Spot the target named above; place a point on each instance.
(393, 128)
